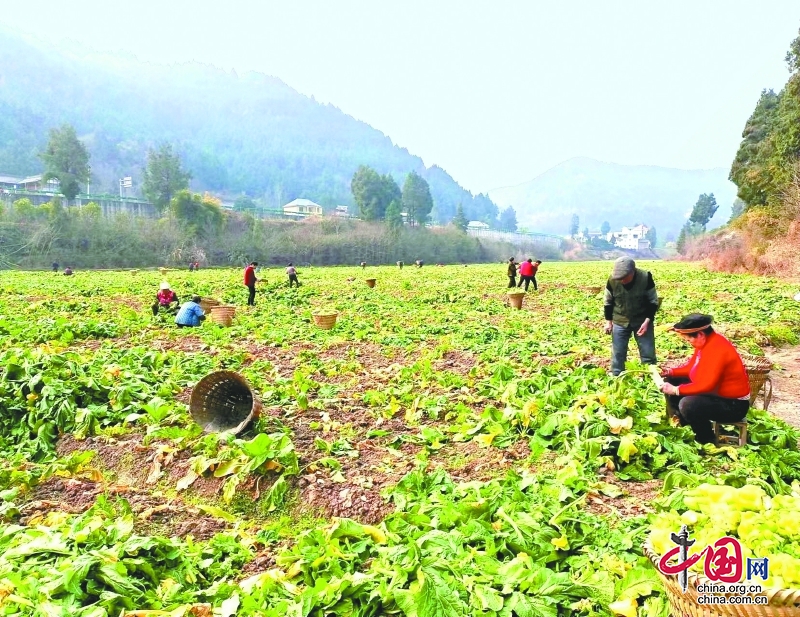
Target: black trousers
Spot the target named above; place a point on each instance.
(512, 281)
(251, 298)
(293, 279)
(527, 280)
(699, 410)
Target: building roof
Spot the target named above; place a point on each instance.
(477, 225)
(301, 202)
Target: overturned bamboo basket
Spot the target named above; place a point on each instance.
(758, 369)
(370, 282)
(134, 272)
(780, 602)
(515, 299)
(223, 314)
(326, 320)
(224, 401)
(163, 271)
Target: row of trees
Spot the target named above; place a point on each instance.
(34, 236)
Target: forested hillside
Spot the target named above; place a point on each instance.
(765, 235)
(246, 133)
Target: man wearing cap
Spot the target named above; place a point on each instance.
(712, 384)
(165, 298)
(630, 306)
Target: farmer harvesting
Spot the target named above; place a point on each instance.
(712, 384)
(250, 282)
(527, 273)
(292, 272)
(512, 273)
(630, 306)
(165, 298)
(190, 314)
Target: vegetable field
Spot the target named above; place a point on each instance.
(435, 454)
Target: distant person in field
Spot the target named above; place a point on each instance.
(292, 272)
(68, 271)
(526, 274)
(166, 299)
(419, 263)
(629, 306)
(196, 266)
(512, 273)
(190, 315)
(363, 264)
(250, 282)
(191, 266)
(711, 385)
(400, 264)
(55, 266)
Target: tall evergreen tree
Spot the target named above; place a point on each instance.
(460, 220)
(508, 219)
(704, 210)
(574, 225)
(163, 176)
(416, 199)
(394, 217)
(67, 160)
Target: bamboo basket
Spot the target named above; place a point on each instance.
(134, 272)
(208, 303)
(515, 298)
(223, 315)
(370, 282)
(163, 271)
(782, 602)
(758, 369)
(325, 321)
(224, 401)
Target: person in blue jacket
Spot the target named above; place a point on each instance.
(190, 314)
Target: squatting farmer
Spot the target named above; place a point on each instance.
(166, 299)
(190, 314)
(630, 306)
(291, 271)
(711, 385)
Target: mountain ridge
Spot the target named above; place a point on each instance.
(597, 191)
(236, 133)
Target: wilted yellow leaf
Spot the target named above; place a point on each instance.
(617, 425)
(626, 608)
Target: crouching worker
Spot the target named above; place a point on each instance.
(165, 299)
(712, 385)
(190, 314)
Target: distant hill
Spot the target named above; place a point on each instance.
(620, 194)
(236, 133)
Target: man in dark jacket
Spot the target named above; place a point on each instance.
(630, 307)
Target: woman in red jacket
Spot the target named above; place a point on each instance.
(250, 282)
(712, 384)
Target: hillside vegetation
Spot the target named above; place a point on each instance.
(765, 235)
(248, 133)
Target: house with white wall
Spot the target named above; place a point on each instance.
(632, 238)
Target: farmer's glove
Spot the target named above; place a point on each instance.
(641, 331)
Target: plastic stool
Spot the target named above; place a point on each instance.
(730, 440)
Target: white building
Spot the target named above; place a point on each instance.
(341, 211)
(477, 225)
(302, 207)
(632, 238)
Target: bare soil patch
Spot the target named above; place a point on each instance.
(785, 377)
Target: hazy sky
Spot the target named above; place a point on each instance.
(495, 92)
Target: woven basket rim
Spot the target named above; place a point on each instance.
(516, 293)
(695, 580)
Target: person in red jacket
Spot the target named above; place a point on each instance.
(712, 384)
(250, 282)
(527, 273)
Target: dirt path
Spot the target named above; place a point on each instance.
(786, 384)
